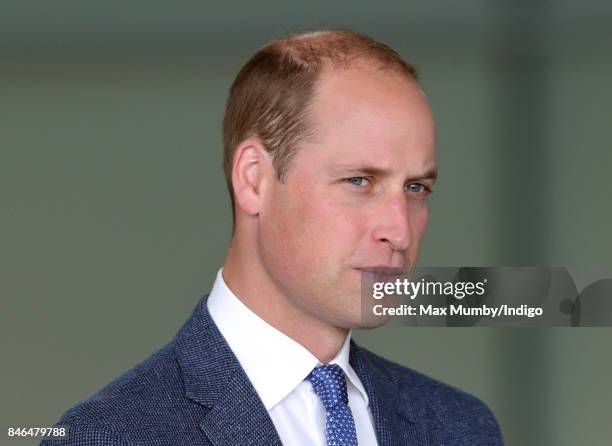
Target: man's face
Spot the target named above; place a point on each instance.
(356, 197)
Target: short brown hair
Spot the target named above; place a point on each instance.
(269, 98)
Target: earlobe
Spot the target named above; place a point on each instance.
(251, 161)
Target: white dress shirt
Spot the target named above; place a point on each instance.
(277, 367)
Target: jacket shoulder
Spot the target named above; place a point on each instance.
(146, 402)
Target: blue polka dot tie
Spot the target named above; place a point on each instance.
(330, 385)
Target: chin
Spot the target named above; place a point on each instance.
(372, 322)
(354, 319)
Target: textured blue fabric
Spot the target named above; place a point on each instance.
(329, 383)
(194, 392)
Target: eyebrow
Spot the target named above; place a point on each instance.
(347, 169)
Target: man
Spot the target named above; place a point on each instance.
(329, 159)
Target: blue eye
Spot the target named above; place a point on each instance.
(418, 188)
(356, 181)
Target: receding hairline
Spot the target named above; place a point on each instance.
(315, 130)
(339, 48)
(334, 51)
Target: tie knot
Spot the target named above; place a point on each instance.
(330, 385)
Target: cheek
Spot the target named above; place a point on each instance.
(419, 218)
(340, 223)
(290, 229)
(323, 231)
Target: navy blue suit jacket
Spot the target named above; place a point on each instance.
(194, 392)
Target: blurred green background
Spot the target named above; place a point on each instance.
(114, 215)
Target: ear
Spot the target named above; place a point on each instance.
(251, 166)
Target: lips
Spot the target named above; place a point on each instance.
(384, 270)
(382, 273)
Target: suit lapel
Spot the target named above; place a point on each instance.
(396, 421)
(214, 378)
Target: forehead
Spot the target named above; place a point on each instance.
(376, 116)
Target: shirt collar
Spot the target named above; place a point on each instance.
(274, 363)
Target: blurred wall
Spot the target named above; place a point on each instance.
(115, 217)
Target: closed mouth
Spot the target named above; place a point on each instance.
(384, 270)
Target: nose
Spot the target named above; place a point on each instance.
(393, 224)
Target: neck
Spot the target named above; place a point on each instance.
(249, 281)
